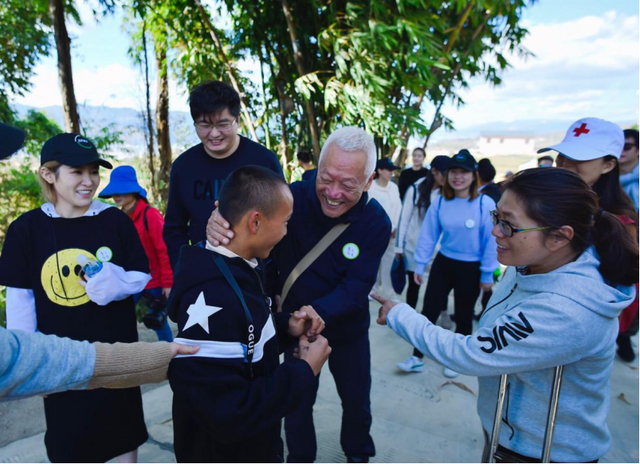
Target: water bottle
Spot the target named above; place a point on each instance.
(89, 266)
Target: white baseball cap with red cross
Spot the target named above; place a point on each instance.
(590, 138)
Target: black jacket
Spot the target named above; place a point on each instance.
(337, 283)
(221, 412)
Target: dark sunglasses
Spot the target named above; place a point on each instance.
(628, 146)
(507, 228)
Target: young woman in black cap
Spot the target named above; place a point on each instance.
(467, 257)
(70, 268)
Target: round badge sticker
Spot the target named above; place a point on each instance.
(104, 254)
(351, 251)
(470, 223)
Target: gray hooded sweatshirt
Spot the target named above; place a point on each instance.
(532, 324)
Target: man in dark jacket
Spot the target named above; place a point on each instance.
(336, 284)
(229, 399)
(487, 173)
(198, 173)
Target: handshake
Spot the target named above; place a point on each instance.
(306, 325)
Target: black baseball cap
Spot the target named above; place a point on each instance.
(385, 163)
(11, 140)
(71, 150)
(441, 163)
(464, 160)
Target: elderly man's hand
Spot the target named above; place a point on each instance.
(218, 229)
(306, 322)
(387, 305)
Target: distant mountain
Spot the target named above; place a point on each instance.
(126, 120)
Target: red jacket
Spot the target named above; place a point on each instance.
(153, 244)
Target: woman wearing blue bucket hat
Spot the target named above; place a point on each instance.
(132, 199)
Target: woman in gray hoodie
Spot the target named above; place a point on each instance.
(572, 267)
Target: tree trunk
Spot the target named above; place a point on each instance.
(162, 120)
(297, 55)
(149, 120)
(65, 75)
(230, 71)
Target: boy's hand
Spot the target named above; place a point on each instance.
(314, 353)
(384, 309)
(218, 229)
(307, 322)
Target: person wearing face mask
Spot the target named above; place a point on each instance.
(571, 269)
(467, 257)
(71, 268)
(592, 149)
(386, 192)
(415, 172)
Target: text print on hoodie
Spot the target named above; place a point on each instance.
(532, 324)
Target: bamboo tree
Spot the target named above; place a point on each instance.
(297, 55)
(230, 70)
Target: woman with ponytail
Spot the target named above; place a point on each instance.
(592, 149)
(571, 272)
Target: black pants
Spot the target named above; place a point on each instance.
(412, 291)
(350, 365)
(464, 279)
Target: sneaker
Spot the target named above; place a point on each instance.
(445, 320)
(625, 348)
(411, 364)
(449, 373)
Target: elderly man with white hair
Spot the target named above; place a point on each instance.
(329, 259)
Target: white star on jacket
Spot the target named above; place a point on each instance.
(199, 313)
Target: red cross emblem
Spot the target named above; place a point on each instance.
(581, 130)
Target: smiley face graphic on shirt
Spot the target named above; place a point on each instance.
(60, 277)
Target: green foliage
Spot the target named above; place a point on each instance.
(23, 40)
(39, 128)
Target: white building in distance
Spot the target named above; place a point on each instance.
(497, 145)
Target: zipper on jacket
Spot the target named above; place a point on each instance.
(501, 301)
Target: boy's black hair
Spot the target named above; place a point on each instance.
(250, 188)
(213, 97)
(486, 171)
(631, 133)
(304, 156)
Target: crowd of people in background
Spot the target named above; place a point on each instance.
(250, 267)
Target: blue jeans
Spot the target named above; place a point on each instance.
(164, 334)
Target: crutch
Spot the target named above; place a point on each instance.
(551, 416)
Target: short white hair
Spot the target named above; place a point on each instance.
(353, 139)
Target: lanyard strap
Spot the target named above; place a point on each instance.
(217, 259)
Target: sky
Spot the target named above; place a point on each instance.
(586, 63)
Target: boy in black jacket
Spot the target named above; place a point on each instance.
(229, 399)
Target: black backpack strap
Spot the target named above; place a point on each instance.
(144, 218)
(217, 259)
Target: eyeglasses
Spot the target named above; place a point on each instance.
(508, 229)
(628, 146)
(205, 127)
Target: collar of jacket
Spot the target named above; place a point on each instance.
(351, 215)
